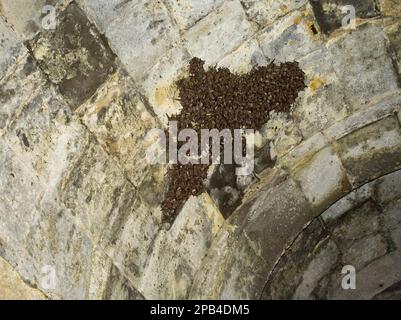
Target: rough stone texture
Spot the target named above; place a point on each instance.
(120, 120)
(329, 13)
(103, 12)
(86, 203)
(264, 12)
(390, 8)
(10, 47)
(372, 61)
(26, 16)
(141, 36)
(18, 88)
(289, 38)
(188, 12)
(12, 287)
(178, 253)
(75, 58)
(212, 38)
(372, 151)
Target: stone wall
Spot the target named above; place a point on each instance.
(78, 197)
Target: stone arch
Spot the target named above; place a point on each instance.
(304, 183)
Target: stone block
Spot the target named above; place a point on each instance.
(329, 13)
(390, 8)
(382, 107)
(16, 89)
(371, 280)
(26, 16)
(120, 121)
(393, 32)
(10, 47)
(357, 224)
(95, 189)
(323, 260)
(350, 201)
(371, 65)
(392, 214)
(104, 12)
(265, 12)
(189, 12)
(177, 253)
(389, 188)
(214, 37)
(274, 218)
(289, 39)
(243, 59)
(396, 236)
(303, 152)
(142, 36)
(372, 151)
(160, 86)
(76, 58)
(12, 287)
(323, 179)
(365, 250)
(129, 237)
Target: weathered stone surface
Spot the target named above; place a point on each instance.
(213, 37)
(288, 273)
(356, 224)
(323, 179)
(142, 35)
(350, 201)
(20, 192)
(177, 253)
(282, 133)
(243, 59)
(160, 83)
(44, 137)
(120, 121)
(16, 89)
(104, 12)
(95, 189)
(372, 61)
(119, 288)
(388, 189)
(264, 12)
(371, 151)
(363, 251)
(396, 236)
(303, 152)
(12, 287)
(323, 261)
(394, 35)
(390, 8)
(371, 280)
(238, 274)
(189, 12)
(392, 214)
(329, 13)
(289, 39)
(282, 207)
(10, 47)
(323, 103)
(75, 58)
(129, 237)
(382, 107)
(86, 205)
(26, 16)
